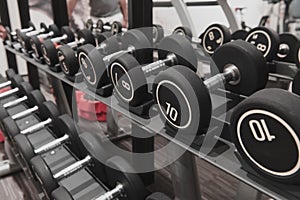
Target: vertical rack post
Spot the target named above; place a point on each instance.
(5, 21)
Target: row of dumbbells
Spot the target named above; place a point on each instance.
(68, 165)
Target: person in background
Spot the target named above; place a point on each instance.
(3, 33)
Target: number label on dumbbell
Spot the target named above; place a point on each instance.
(45, 55)
(121, 81)
(268, 140)
(62, 59)
(87, 68)
(212, 39)
(261, 40)
(173, 104)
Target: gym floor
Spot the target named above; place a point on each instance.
(214, 183)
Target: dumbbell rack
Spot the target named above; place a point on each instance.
(223, 156)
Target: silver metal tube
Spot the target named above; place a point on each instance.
(116, 54)
(58, 39)
(32, 33)
(159, 64)
(45, 35)
(5, 84)
(25, 113)
(15, 102)
(9, 92)
(36, 127)
(113, 194)
(72, 168)
(52, 145)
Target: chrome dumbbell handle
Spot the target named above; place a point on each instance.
(58, 39)
(24, 113)
(5, 84)
(52, 145)
(15, 102)
(118, 191)
(9, 92)
(36, 127)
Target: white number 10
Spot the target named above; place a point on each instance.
(172, 112)
(263, 131)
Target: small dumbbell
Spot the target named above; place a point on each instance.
(49, 46)
(12, 35)
(67, 135)
(214, 36)
(184, 31)
(36, 41)
(125, 184)
(129, 77)
(240, 34)
(94, 152)
(66, 53)
(47, 111)
(93, 63)
(10, 73)
(14, 83)
(158, 33)
(183, 99)
(269, 121)
(289, 49)
(115, 27)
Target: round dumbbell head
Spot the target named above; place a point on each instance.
(61, 193)
(36, 46)
(158, 33)
(158, 196)
(138, 40)
(128, 79)
(183, 100)
(10, 73)
(251, 65)
(65, 30)
(181, 47)
(44, 26)
(3, 112)
(239, 35)
(214, 36)
(10, 127)
(49, 52)
(35, 98)
(266, 40)
(265, 130)
(25, 148)
(25, 41)
(87, 35)
(48, 110)
(9, 36)
(99, 26)
(289, 48)
(30, 25)
(183, 30)
(101, 37)
(116, 27)
(117, 173)
(296, 83)
(45, 177)
(89, 24)
(93, 146)
(25, 88)
(16, 80)
(53, 28)
(68, 60)
(67, 126)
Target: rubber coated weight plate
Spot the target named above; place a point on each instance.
(99, 27)
(239, 35)
(89, 24)
(268, 121)
(10, 73)
(184, 31)
(158, 33)
(54, 29)
(49, 52)
(138, 40)
(10, 127)
(35, 98)
(65, 30)
(251, 64)
(68, 60)
(30, 24)
(101, 37)
(3, 112)
(61, 194)
(116, 27)
(266, 41)
(128, 79)
(93, 146)
(48, 110)
(36, 46)
(44, 175)
(288, 48)
(87, 35)
(215, 36)
(24, 89)
(117, 172)
(44, 26)
(181, 47)
(24, 146)
(16, 80)
(158, 196)
(183, 100)
(24, 41)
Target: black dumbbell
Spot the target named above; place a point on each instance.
(214, 36)
(124, 184)
(36, 41)
(66, 53)
(269, 121)
(289, 49)
(129, 77)
(185, 31)
(183, 98)
(94, 152)
(158, 196)
(240, 34)
(93, 64)
(47, 112)
(10, 73)
(158, 33)
(49, 46)
(14, 83)
(12, 35)
(115, 27)
(67, 135)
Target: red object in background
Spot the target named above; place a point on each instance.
(5, 89)
(2, 138)
(89, 109)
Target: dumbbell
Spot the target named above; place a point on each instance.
(49, 46)
(93, 64)
(67, 135)
(115, 27)
(213, 37)
(12, 35)
(14, 83)
(10, 73)
(265, 130)
(36, 41)
(129, 77)
(125, 186)
(183, 99)
(158, 196)
(66, 53)
(240, 34)
(289, 49)
(183, 30)
(158, 33)
(91, 146)
(47, 112)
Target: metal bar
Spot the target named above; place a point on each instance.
(33, 74)
(229, 15)
(60, 14)
(169, 3)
